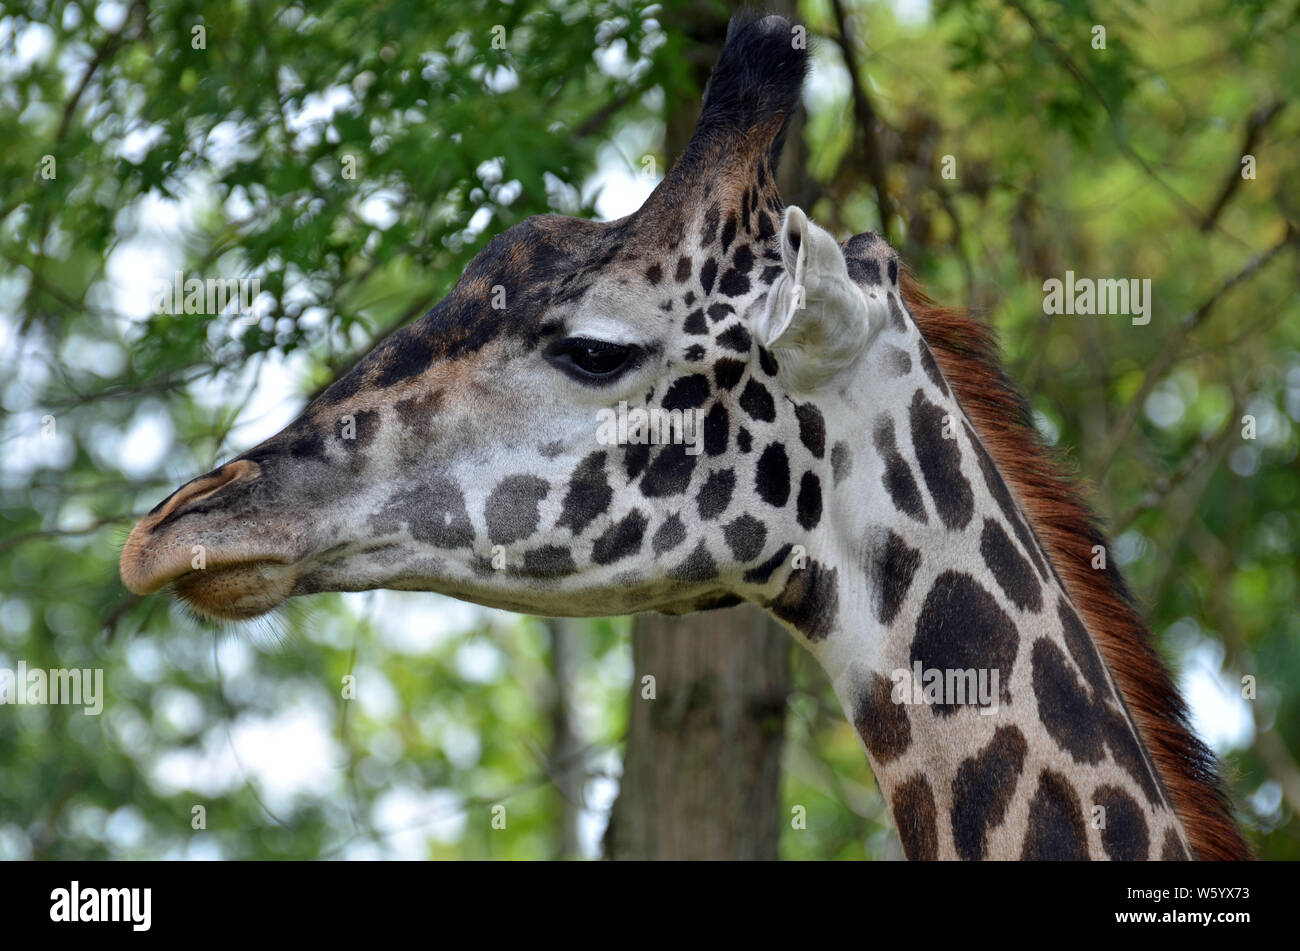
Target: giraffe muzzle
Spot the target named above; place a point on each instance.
(218, 558)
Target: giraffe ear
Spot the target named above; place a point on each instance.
(816, 321)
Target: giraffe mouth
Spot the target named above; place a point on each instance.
(209, 557)
(237, 592)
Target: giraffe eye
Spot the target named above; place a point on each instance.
(592, 361)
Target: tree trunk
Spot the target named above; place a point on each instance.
(702, 772)
(566, 767)
(702, 769)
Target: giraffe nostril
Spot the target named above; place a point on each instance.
(160, 548)
(241, 470)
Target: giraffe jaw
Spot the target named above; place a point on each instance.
(507, 591)
(237, 592)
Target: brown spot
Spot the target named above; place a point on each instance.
(416, 412)
(1124, 835)
(983, 789)
(1056, 830)
(810, 600)
(913, 807)
(359, 435)
(709, 230)
(880, 721)
(1172, 850)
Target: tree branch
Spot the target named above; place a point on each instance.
(1168, 354)
(1168, 482)
(16, 540)
(600, 118)
(106, 49)
(1080, 77)
(1255, 125)
(866, 120)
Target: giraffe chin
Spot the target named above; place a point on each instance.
(237, 592)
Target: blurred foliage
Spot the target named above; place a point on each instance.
(233, 160)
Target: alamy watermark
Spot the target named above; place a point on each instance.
(209, 296)
(133, 906)
(656, 426)
(1084, 296)
(37, 687)
(946, 686)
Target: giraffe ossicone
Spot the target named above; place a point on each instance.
(841, 485)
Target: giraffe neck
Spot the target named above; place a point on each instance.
(989, 717)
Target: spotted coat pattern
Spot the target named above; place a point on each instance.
(958, 580)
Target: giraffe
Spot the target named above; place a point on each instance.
(863, 471)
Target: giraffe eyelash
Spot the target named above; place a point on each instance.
(593, 362)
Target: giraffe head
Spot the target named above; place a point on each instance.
(493, 450)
